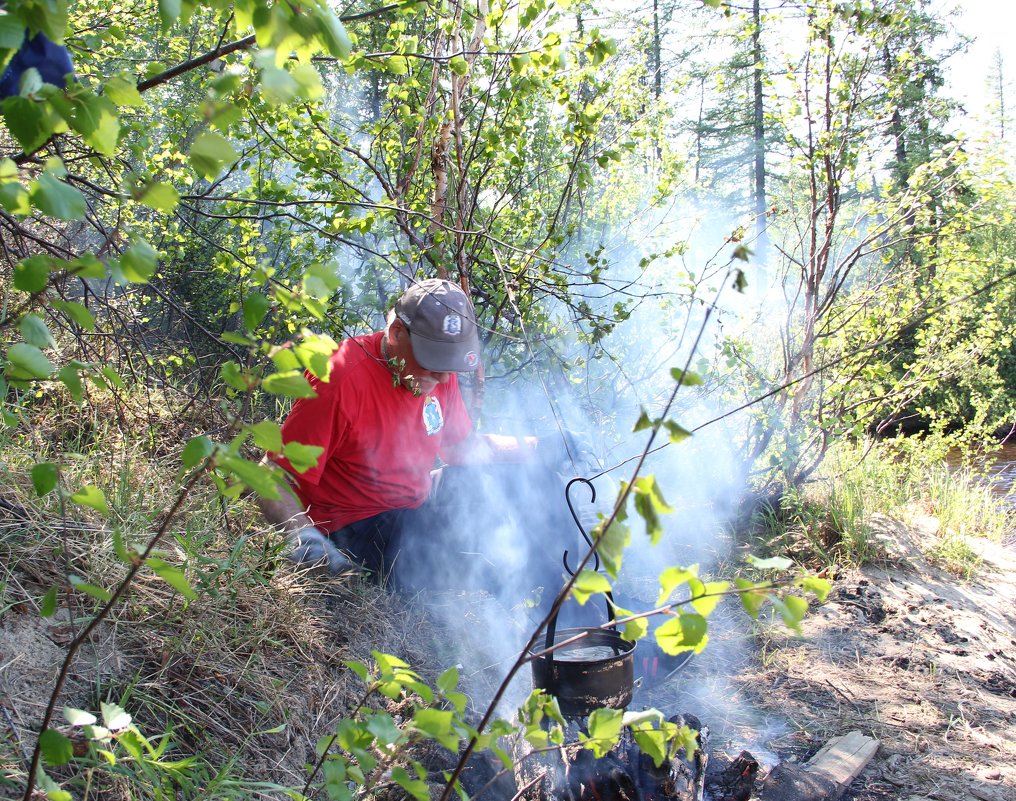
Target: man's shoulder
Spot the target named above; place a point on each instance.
(355, 352)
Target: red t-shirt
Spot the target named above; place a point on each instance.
(380, 441)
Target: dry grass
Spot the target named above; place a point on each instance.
(247, 676)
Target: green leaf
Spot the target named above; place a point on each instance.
(32, 274)
(457, 700)
(79, 717)
(792, 609)
(689, 741)
(70, 377)
(740, 281)
(448, 680)
(113, 377)
(92, 497)
(397, 65)
(12, 32)
(383, 727)
(685, 632)
(417, 788)
(333, 35)
(459, 65)
(708, 595)
(123, 553)
(358, 668)
(114, 717)
(611, 546)
(604, 727)
(109, 756)
(302, 457)
(36, 332)
(196, 451)
(751, 597)
(123, 92)
(314, 354)
(28, 123)
(742, 252)
(774, 563)
(643, 422)
(138, 262)
(291, 384)
(77, 312)
(95, 118)
(169, 12)
(260, 479)
(652, 742)
(820, 587)
(284, 359)
(79, 584)
(51, 788)
(588, 583)
(237, 339)
(14, 199)
(44, 477)
(320, 281)
(56, 748)
(172, 575)
(634, 629)
(649, 503)
(686, 379)
(57, 199)
(235, 377)
(676, 432)
(209, 153)
(47, 606)
(671, 579)
(30, 359)
(255, 307)
(160, 196)
(87, 266)
(267, 436)
(437, 725)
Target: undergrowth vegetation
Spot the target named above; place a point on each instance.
(830, 520)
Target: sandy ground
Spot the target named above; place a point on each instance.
(908, 654)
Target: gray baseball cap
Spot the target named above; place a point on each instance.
(442, 326)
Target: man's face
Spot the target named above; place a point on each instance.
(414, 377)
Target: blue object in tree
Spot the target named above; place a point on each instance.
(51, 60)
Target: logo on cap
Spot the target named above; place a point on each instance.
(471, 359)
(452, 325)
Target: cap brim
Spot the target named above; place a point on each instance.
(446, 357)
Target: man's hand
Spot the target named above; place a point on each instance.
(310, 547)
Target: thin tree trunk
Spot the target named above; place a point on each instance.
(759, 133)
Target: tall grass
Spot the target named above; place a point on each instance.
(830, 520)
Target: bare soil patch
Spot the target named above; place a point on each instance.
(907, 653)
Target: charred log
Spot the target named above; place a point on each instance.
(572, 773)
(733, 782)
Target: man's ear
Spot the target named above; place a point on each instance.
(398, 332)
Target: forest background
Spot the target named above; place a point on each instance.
(752, 231)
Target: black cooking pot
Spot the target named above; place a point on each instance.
(597, 670)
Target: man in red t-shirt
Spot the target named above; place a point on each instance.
(388, 413)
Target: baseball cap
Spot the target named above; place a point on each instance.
(442, 326)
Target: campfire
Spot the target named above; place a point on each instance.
(588, 669)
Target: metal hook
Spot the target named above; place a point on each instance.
(578, 523)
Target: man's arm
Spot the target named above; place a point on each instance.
(285, 513)
(307, 544)
(490, 448)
